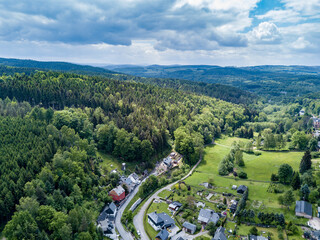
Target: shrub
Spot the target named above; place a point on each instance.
(243, 175)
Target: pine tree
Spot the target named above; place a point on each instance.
(305, 163)
(296, 183)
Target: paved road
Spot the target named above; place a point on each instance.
(123, 233)
(138, 219)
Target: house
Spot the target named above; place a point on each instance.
(180, 238)
(189, 227)
(302, 112)
(241, 189)
(316, 122)
(109, 212)
(107, 228)
(219, 234)
(233, 206)
(200, 205)
(167, 220)
(117, 194)
(207, 215)
(206, 185)
(168, 162)
(303, 209)
(155, 221)
(253, 237)
(162, 235)
(234, 187)
(174, 206)
(160, 220)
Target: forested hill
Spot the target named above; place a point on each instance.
(271, 81)
(53, 123)
(54, 66)
(224, 92)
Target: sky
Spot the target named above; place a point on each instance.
(166, 32)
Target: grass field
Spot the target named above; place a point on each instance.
(110, 163)
(259, 169)
(159, 207)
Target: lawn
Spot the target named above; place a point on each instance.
(110, 163)
(259, 169)
(159, 207)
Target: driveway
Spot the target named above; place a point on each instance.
(138, 219)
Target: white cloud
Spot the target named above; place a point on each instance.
(300, 43)
(265, 33)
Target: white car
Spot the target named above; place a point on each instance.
(138, 232)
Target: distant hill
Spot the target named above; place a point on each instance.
(227, 93)
(271, 81)
(54, 66)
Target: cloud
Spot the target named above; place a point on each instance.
(300, 43)
(265, 33)
(211, 23)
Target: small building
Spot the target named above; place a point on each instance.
(241, 189)
(200, 205)
(160, 220)
(174, 206)
(233, 206)
(162, 235)
(117, 194)
(168, 161)
(135, 205)
(234, 187)
(167, 220)
(206, 185)
(302, 112)
(254, 237)
(303, 209)
(155, 221)
(189, 227)
(207, 215)
(107, 228)
(219, 234)
(180, 238)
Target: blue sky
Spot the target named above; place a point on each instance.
(217, 32)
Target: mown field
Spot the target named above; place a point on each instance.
(259, 169)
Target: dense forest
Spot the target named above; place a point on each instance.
(52, 124)
(282, 82)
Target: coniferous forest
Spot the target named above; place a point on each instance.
(52, 124)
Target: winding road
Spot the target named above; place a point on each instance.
(138, 219)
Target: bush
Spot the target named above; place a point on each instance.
(243, 175)
(257, 153)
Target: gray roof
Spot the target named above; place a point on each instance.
(190, 226)
(219, 234)
(119, 190)
(254, 237)
(242, 188)
(111, 209)
(304, 207)
(167, 161)
(167, 220)
(208, 215)
(176, 203)
(155, 218)
(134, 176)
(163, 234)
(180, 238)
(315, 234)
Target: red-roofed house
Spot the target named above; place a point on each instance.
(117, 193)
